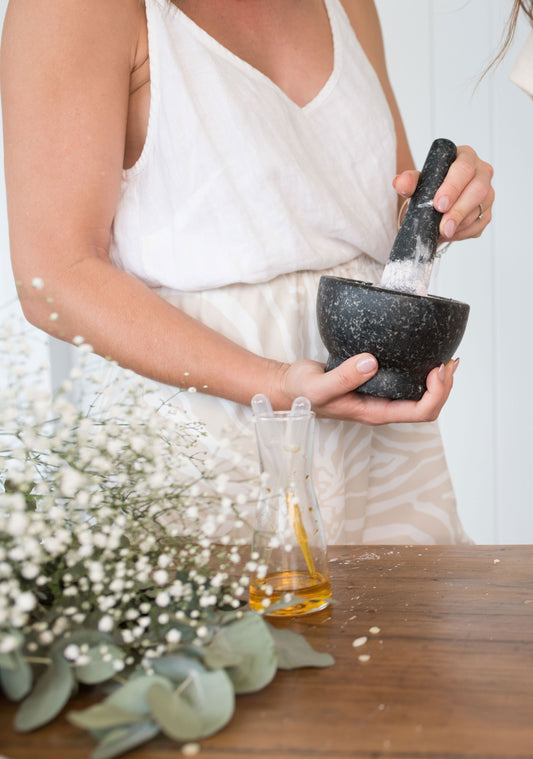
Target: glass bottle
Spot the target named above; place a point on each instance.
(288, 545)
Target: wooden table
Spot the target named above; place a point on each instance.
(450, 672)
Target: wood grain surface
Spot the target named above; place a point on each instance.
(450, 672)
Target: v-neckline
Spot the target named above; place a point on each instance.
(241, 63)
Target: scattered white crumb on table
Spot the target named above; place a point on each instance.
(360, 641)
(190, 749)
(374, 630)
(364, 658)
(497, 561)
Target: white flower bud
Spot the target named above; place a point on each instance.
(26, 601)
(162, 599)
(71, 652)
(161, 577)
(106, 623)
(17, 523)
(173, 636)
(71, 481)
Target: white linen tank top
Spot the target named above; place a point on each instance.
(237, 183)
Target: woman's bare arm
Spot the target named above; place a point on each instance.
(65, 80)
(65, 74)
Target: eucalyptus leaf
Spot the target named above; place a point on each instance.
(176, 668)
(249, 638)
(16, 681)
(51, 693)
(8, 661)
(208, 693)
(102, 716)
(131, 697)
(176, 718)
(293, 650)
(219, 653)
(120, 741)
(112, 734)
(98, 670)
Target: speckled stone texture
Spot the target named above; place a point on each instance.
(408, 334)
(413, 252)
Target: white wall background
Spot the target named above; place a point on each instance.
(436, 51)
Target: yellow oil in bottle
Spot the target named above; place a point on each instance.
(313, 590)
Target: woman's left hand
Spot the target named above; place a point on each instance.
(465, 197)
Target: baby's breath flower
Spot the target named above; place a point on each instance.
(71, 652)
(161, 577)
(46, 637)
(71, 481)
(173, 636)
(109, 518)
(105, 623)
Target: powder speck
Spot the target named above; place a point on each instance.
(190, 749)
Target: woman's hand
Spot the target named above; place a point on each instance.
(465, 197)
(331, 393)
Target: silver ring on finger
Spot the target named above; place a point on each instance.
(480, 215)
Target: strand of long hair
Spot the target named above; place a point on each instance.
(519, 6)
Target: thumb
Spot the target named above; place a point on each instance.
(349, 375)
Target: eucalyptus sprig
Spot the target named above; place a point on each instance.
(117, 564)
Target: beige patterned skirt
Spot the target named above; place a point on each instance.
(375, 485)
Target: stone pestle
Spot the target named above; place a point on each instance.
(412, 256)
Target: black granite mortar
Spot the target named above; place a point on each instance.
(408, 333)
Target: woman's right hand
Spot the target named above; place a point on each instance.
(332, 393)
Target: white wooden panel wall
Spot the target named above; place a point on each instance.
(436, 50)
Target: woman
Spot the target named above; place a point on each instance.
(179, 175)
